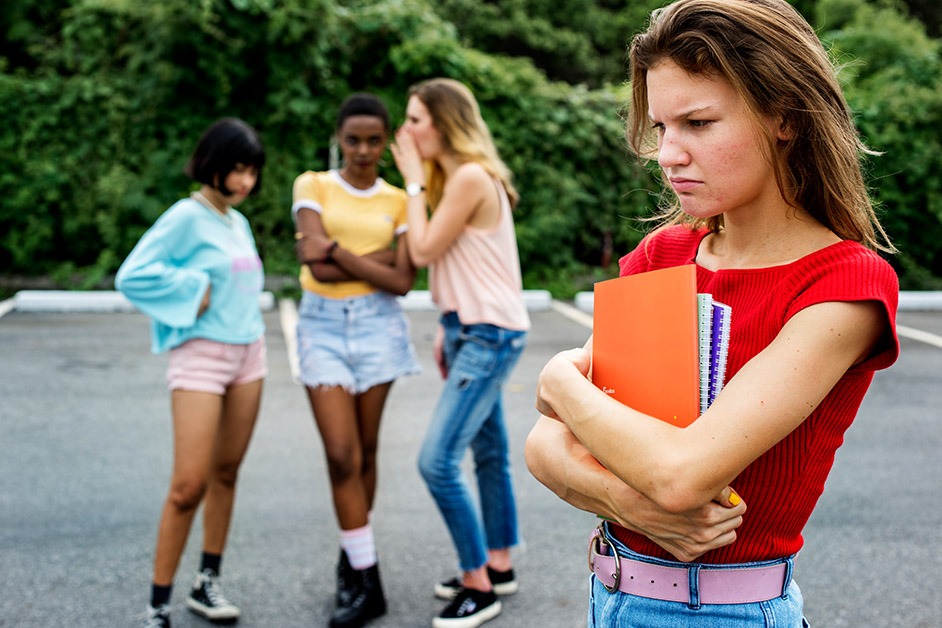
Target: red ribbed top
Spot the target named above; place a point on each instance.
(781, 487)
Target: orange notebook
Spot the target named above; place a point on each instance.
(645, 347)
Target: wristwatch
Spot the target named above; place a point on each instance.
(414, 189)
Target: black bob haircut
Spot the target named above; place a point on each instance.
(363, 104)
(227, 142)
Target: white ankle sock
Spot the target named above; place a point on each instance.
(359, 545)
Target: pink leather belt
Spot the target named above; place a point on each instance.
(695, 585)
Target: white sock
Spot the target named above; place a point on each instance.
(359, 546)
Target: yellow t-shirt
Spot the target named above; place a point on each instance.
(361, 221)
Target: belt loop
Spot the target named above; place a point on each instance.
(789, 568)
(693, 582)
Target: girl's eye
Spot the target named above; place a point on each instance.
(698, 123)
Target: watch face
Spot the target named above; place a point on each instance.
(414, 189)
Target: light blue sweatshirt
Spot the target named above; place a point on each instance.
(187, 249)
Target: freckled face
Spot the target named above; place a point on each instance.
(362, 141)
(709, 148)
(428, 139)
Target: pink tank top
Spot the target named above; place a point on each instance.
(478, 277)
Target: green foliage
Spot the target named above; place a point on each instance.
(110, 106)
(577, 41)
(893, 81)
(107, 98)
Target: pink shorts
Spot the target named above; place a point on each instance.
(210, 366)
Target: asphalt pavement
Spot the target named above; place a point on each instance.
(85, 453)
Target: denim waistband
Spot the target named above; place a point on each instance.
(378, 302)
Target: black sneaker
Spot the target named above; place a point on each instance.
(503, 582)
(206, 599)
(469, 609)
(157, 617)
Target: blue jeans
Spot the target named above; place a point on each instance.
(470, 414)
(622, 610)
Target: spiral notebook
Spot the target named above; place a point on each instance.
(657, 345)
(719, 349)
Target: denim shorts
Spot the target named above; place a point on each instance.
(355, 343)
(623, 610)
(209, 366)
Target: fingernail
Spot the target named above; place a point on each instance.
(734, 499)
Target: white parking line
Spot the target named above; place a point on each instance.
(919, 335)
(572, 313)
(288, 314)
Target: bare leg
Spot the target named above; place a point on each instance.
(239, 412)
(499, 559)
(369, 414)
(196, 417)
(335, 414)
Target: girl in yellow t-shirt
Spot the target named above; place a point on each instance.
(353, 338)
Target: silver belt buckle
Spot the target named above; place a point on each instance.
(596, 543)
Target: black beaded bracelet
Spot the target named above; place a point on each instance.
(330, 251)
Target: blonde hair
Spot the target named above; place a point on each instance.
(456, 115)
(770, 55)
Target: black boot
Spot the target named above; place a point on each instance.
(346, 581)
(368, 603)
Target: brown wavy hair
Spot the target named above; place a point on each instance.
(772, 57)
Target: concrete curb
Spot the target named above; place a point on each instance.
(89, 301)
(416, 300)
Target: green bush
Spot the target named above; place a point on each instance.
(893, 79)
(122, 89)
(107, 98)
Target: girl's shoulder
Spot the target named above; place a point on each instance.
(186, 209)
(388, 189)
(845, 257)
(311, 177)
(471, 172)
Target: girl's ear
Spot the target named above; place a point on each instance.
(784, 131)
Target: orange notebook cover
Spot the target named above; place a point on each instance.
(645, 348)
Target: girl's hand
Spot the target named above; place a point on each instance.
(438, 351)
(312, 247)
(687, 536)
(204, 304)
(561, 367)
(556, 458)
(407, 158)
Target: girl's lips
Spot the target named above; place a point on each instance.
(681, 185)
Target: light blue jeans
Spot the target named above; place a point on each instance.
(622, 610)
(470, 414)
